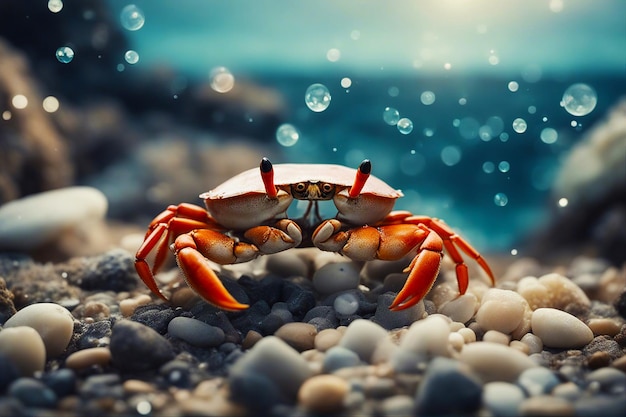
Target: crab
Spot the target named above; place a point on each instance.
(246, 217)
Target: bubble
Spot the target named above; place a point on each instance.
(451, 155)
(563, 202)
(532, 109)
(50, 104)
(393, 91)
(346, 304)
(333, 55)
(391, 116)
(513, 86)
(513, 251)
(462, 101)
(317, 97)
(427, 98)
(500, 199)
(222, 80)
(19, 101)
(493, 59)
(447, 66)
(405, 126)
(65, 54)
(488, 167)
(504, 166)
(6, 115)
(346, 82)
(132, 57)
(428, 132)
(549, 135)
(519, 125)
(579, 99)
(132, 18)
(55, 6)
(468, 127)
(485, 133)
(287, 134)
(144, 407)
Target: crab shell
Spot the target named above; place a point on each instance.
(242, 202)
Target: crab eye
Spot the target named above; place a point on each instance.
(300, 186)
(326, 187)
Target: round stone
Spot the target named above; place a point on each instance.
(323, 394)
(300, 336)
(428, 337)
(32, 393)
(362, 336)
(136, 347)
(54, 324)
(495, 362)
(195, 332)
(88, 357)
(502, 398)
(538, 381)
(558, 329)
(604, 326)
(501, 310)
(24, 347)
(326, 339)
(546, 405)
(335, 277)
(460, 309)
(339, 357)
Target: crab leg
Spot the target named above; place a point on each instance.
(267, 175)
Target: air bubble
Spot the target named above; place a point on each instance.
(519, 125)
(504, 166)
(132, 57)
(55, 6)
(346, 82)
(393, 91)
(287, 135)
(513, 86)
(579, 99)
(65, 54)
(549, 135)
(132, 18)
(19, 101)
(405, 126)
(333, 55)
(50, 104)
(489, 167)
(391, 116)
(317, 97)
(500, 199)
(563, 202)
(427, 98)
(222, 80)
(451, 155)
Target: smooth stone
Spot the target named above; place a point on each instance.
(326, 339)
(501, 310)
(558, 329)
(89, 357)
(323, 393)
(460, 309)
(545, 405)
(468, 335)
(448, 387)
(129, 305)
(54, 324)
(136, 347)
(346, 304)
(620, 363)
(62, 381)
(24, 225)
(428, 337)
(339, 357)
(336, 277)
(495, 336)
(390, 319)
(275, 361)
(567, 390)
(538, 381)
(604, 326)
(534, 343)
(300, 336)
(8, 372)
(397, 406)
(611, 380)
(600, 405)
(24, 348)
(361, 337)
(495, 362)
(551, 291)
(195, 332)
(32, 393)
(502, 399)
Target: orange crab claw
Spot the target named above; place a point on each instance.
(362, 174)
(267, 175)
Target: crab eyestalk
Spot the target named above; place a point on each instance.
(362, 174)
(267, 175)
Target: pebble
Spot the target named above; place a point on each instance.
(339, 357)
(271, 364)
(397, 406)
(604, 326)
(390, 319)
(129, 305)
(62, 381)
(495, 362)
(89, 357)
(502, 399)
(428, 337)
(195, 332)
(600, 405)
(620, 364)
(551, 291)
(534, 343)
(285, 264)
(504, 311)
(8, 372)
(136, 347)
(32, 393)
(336, 277)
(545, 405)
(300, 336)
(24, 225)
(568, 390)
(346, 304)
(448, 388)
(538, 381)
(24, 348)
(611, 380)
(495, 336)
(558, 329)
(468, 334)
(323, 394)
(326, 339)
(361, 337)
(460, 309)
(54, 324)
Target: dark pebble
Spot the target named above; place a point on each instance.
(96, 334)
(135, 347)
(8, 372)
(255, 391)
(299, 301)
(620, 304)
(102, 386)
(270, 324)
(448, 389)
(113, 271)
(61, 381)
(179, 374)
(268, 289)
(395, 319)
(600, 405)
(365, 306)
(32, 393)
(210, 315)
(251, 318)
(322, 323)
(324, 312)
(155, 316)
(599, 309)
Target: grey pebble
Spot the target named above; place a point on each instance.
(102, 386)
(537, 381)
(389, 319)
(338, 357)
(502, 399)
(601, 405)
(195, 332)
(362, 337)
(611, 380)
(33, 393)
(135, 347)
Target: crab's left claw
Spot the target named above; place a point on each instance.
(422, 271)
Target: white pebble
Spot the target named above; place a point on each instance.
(25, 349)
(24, 224)
(558, 329)
(456, 341)
(54, 324)
(502, 398)
(361, 337)
(534, 343)
(495, 336)
(428, 337)
(468, 334)
(460, 309)
(335, 277)
(551, 291)
(502, 310)
(495, 362)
